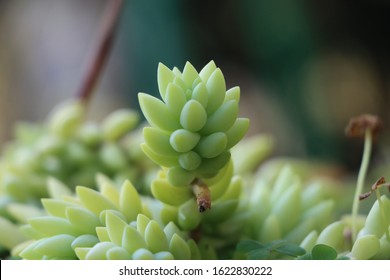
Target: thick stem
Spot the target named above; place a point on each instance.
(202, 194)
(360, 181)
(100, 54)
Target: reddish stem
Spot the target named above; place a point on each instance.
(100, 55)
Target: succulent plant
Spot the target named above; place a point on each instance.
(358, 236)
(225, 192)
(372, 241)
(194, 126)
(286, 207)
(111, 223)
(72, 150)
(66, 191)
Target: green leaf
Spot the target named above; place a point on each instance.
(179, 248)
(164, 77)
(306, 256)
(57, 246)
(245, 246)
(189, 74)
(323, 252)
(82, 219)
(130, 201)
(93, 200)
(132, 240)
(275, 244)
(343, 258)
(291, 250)
(157, 113)
(259, 254)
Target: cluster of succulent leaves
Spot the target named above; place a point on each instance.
(70, 149)
(108, 223)
(71, 189)
(195, 125)
(372, 241)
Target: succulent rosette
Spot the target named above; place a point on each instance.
(108, 223)
(287, 207)
(195, 124)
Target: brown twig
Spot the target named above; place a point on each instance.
(100, 54)
(381, 182)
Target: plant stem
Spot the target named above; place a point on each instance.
(383, 213)
(202, 193)
(360, 181)
(100, 55)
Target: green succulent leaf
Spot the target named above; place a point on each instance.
(175, 99)
(118, 123)
(93, 200)
(82, 219)
(179, 248)
(157, 113)
(323, 252)
(132, 240)
(216, 88)
(118, 253)
(57, 246)
(206, 72)
(189, 74)
(164, 77)
(130, 201)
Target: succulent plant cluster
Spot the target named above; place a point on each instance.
(69, 149)
(185, 187)
(66, 147)
(372, 242)
(108, 223)
(285, 208)
(194, 125)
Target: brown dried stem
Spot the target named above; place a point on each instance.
(103, 48)
(381, 182)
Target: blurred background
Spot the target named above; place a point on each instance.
(304, 67)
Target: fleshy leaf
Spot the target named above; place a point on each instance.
(93, 200)
(189, 74)
(132, 240)
(57, 246)
(169, 194)
(157, 113)
(115, 228)
(155, 238)
(206, 72)
(216, 88)
(179, 248)
(82, 219)
(164, 77)
(130, 202)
